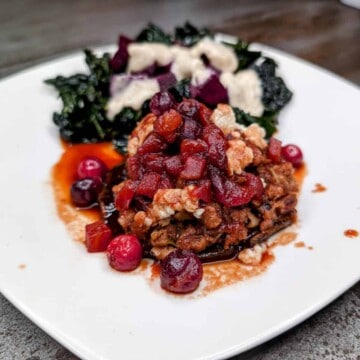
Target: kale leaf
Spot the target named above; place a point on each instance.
(152, 33)
(268, 120)
(244, 55)
(181, 90)
(275, 92)
(83, 117)
(189, 35)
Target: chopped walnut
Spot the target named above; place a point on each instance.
(167, 201)
(224, 118)
(160, 252)
(144, 128)
(255, 134)
(238, 155)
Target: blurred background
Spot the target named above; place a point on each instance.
(325, 32)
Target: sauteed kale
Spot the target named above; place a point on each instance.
(84, 96)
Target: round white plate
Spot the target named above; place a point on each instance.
(100, 314)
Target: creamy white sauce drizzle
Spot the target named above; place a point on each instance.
(244, 87)
(245, 91)
(133, 95)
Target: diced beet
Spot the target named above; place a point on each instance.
(167, 124)
(227, 192)
(190, 129)
(204, 114)
(274, 149)
(189, 109)
(148, 185)
(194, 168)
(212, 92)
(165, 182)
(125, 195)
(154, 162)
(134, 169)
(192, 147)
(161, 102)
(120, 59)
(152, 144)
(203, 191)
(97, 236)
(173, 165)
(254, 182)
(217, 143)
(166, 81)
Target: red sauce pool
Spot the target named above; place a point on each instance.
(351, 233)
(64, 174)
(319, 188)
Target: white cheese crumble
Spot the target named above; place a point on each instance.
(252, 256)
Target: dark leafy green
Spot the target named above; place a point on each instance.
(84, 96)
(275, 92)
(181, 90)
(153, 33)
(268, 120)
(83, 118)
(189, 35)
(244, 55)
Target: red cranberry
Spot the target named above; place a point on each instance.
(84, 192)
(91, 166)
(189, 108)
(293, 154)
(124, 252)
(180, 272)
(161, 102)
(191, 129)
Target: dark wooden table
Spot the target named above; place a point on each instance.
(324, 32)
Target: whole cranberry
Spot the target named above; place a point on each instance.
(90, 167)
(293, 154)
(84, 192)
(124, 252)
(180, 272)
(161, 102)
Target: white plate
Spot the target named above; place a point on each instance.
(100, 314)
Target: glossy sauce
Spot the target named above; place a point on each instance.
(300, 174)
(64, 174)
(351, 233)
(319, 188)
(299, 244)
